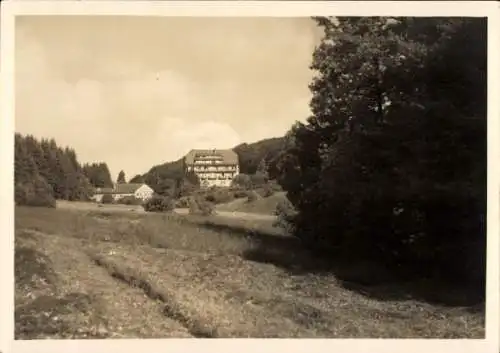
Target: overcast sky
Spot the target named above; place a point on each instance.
(139, 91)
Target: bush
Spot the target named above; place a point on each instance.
(201, 207)
(274, 186)
(266, 191)
(223, 195)
(210, 198)
(183, 202)
(130, 200)
(107, 199)
(258, 179)
(159, 204)
(285, 213)
(37, 193)
(242, 180)
(252, 196)
(219, 195)
(239, 194)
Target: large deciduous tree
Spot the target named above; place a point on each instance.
(391, 165)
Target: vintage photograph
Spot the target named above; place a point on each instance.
(250, 177)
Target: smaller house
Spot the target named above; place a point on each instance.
(140, 191)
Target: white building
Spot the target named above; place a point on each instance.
(213, 167)
(140, 191)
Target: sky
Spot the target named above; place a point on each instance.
(136, 91)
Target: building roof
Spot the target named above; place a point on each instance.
(128, 188)
(104, 190)
(228, 156)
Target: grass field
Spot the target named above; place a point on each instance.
(93, 273)
(265, 205)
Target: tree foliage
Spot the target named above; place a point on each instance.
(98, 175)
(44, 172)
(138, 179)
(256, 155)
(159, 203)
(121, 178)
(391, 165)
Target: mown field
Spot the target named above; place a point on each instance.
(93, 273)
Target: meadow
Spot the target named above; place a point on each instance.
(94, 273)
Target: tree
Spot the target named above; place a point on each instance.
(138, 179)
(251, 155)
(159, 204)
(98, 175)
(44, 172)
(121, 178)
(389, 92)
(242, 180)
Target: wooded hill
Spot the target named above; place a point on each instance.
(163, 178)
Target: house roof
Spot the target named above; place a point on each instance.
(128, 188)
(228, 156)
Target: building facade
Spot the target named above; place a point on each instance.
(139, 191)
(213, 167)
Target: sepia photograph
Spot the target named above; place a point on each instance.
(250, 177)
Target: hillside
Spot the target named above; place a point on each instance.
(250, 155)
(265, 205)
(163, 177)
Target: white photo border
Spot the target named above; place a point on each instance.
(11, 9)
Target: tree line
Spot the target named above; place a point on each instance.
(391, 165)
(44, 172)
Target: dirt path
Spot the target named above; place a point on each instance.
(235, 214)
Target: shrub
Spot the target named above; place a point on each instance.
(201, 207)
(130, 200)
(285, 213)
(107, 199)
(239, 194)
(252, 196)
(159, 204)
(274, 186)
(242, 180)
(182, 202)
(266, 191)
(210, 198)
(219, 195)
(37, 193)
(223, 195)
(258, 179)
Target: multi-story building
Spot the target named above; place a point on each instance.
(213, 167)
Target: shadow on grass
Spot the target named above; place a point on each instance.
(42, 316)
(370, 279)
(29, 264)
(48, 316)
